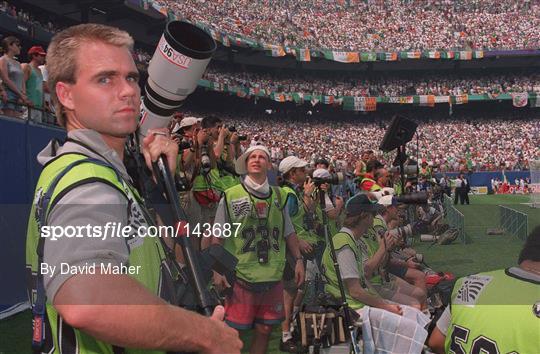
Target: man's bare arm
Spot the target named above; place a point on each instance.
(118, 310)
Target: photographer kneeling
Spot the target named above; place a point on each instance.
(385, 272)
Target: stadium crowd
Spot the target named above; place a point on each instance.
(355, 85)
(22, 15)
(222, 178)
(449, 145)
(373, 25)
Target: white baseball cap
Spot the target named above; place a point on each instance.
(388, 200)
(186, 122)
(321, 173)
(388, 191)
(291, 162)
(240, 164)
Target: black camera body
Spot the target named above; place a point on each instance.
(413, 198)
(335, 178)
(232, 129)
(263, 248)
(184, 144)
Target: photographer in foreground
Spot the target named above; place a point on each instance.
(260, 233)
(94, 85)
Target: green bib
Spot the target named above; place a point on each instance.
(257, 220)
(146, 252)
(397, 188)
(340, 240)
(372, 243)
(301, 228)
(222, 181)
(333, 224)
(494, 312)
(201, 183)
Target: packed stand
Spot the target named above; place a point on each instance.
(448, 145)
(355, 85)
(23, 15)
(375, 25)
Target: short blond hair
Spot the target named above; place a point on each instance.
(62, 55)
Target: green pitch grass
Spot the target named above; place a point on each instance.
(482, 253)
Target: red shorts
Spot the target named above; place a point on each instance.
(244, 307)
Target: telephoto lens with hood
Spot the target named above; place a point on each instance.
(180, 59)
(413, 198)
(407, 169)
(335, 179)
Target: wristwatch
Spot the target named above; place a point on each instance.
(301, 258)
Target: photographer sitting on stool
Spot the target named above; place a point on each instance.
(407, 322)
(383, 271)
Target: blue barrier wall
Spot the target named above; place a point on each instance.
(20, 142)
(477, 179)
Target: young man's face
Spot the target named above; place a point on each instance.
(299, 175)
(106, 95)
(257, 162)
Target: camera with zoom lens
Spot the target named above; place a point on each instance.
(406, 233)
(232, 129)
(180, 59)
(263, 247)
(402, 232)
(335, 178)
(413, 198)
(407, 169)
